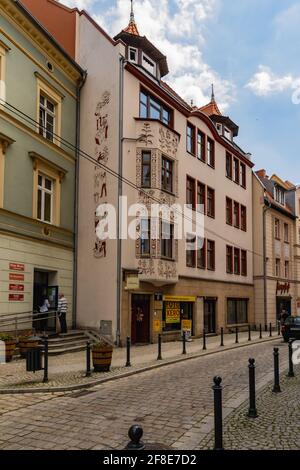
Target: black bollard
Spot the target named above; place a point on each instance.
(45, 379)
(204, 340)
(260, 331)
(270, 330)
(249, 333)
(128, 342)
(183, 342)
(236, 335)
(159, 357)
(88, 359)
(217, 388)
(222, 337)
(135, 435)
(276, 388)
(291, 364)
(252, 412)
(266, 328)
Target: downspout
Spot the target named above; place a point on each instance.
(120, 191)
(77, 154)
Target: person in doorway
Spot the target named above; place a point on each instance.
(283, 316)
(44, 309)
(62, 312)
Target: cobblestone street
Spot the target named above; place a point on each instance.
(173, 404)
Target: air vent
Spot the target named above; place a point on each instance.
(50, 66)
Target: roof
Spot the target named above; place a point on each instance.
(211, 109)
(269, 184)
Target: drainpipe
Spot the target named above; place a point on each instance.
(77, 155)
(265, 209)
(120, 190)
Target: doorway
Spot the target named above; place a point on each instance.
(283, 304)
(41, 291)
(140, 319)
(210, 316)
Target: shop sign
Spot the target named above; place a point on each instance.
(282, 288)
(186, 325)
(178, 298)
(156, 326)
(132, 283)
(16, 277)
(16, 297)
(16, 267)
(172, 312)
(18, 287)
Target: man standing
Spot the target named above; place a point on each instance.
(62, 312)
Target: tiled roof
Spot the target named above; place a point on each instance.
(211, 109)
(132, 28)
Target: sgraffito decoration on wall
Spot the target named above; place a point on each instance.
(102, 157)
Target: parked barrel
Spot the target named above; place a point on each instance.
(102, 357)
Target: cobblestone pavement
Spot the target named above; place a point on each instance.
(69, 369)
(174, 405)
(276, 427)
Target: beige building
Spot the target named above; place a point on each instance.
(276, 247)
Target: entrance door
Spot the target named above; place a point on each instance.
(210, 316)
(283, 304)
(140, 319)
(42, 291)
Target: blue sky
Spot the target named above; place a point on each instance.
(248, 48)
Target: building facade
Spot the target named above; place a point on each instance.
(147, 144)
(276, 245)
(38, 109)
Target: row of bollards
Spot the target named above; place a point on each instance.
(252, 410)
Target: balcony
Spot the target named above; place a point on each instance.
(158, 272)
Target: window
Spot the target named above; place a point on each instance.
(211, 255)
(201, 253)
(229, 259)
(236, 261)
(190, 192)
(45, 199)
(227, 133)
(219, 128)
(152, 108)
(286, 269)
(167, 236)
(210, 152)
(190, 138)
(277, 267)
(145, 237)
(237, 311)
(236, 170)
(279, 195)
(201, 146)
(146, 169)
(277, 229)
(3, 50)
(229, 211)
(133, 55)
(210, 202)
(236, 214)
(244, 218)
(243, 175)
(47, 118)
(167, 175)
(148, 64)
(201, 198)
(243, 262)
(229, 165)
(191, 251)
(286, 233)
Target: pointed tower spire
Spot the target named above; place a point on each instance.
(212, 93)
(132, 27)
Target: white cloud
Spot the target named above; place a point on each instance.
(265, 82)
(81, 4)
(178, 29)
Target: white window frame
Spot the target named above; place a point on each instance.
(47, 112)
(219, 128)
(278, 267)
(144, 56)
(44, 191)
(130, 48)
(279, 195)
(229, 132)
(286, 269)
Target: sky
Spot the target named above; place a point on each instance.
(249, 49)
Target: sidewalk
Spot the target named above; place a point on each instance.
(67, 372)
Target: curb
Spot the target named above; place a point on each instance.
(163, 363)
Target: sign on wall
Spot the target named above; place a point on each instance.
(16, 267)
(156, 326)
(18, 287)
(282, 288)
(16, 297)
(16, 277)
(15, 288)
(172, 312)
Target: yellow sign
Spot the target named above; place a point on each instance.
(156, 326)
(186, 325)
(132, 283)
(172, 312)
(178, 298)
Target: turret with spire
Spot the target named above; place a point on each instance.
(132, 27)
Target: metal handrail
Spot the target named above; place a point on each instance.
(17, 322)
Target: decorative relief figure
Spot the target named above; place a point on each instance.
(146, 136)
(146, 267)
(167, 270)
(168, 141)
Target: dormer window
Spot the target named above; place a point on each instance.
(219, 128)
(227, 133)
(279, 195)
(148, 64)
(133, 55)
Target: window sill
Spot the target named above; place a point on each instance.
(166, 258)
(211, 216)
(201, 160)
(211, 166)
(191, 153)
(168, 192)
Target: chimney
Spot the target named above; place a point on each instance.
(261, 173)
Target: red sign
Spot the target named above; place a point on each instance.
(18, 287)
(16, 297)
(17, 267)
(283, 288)
(16, 277)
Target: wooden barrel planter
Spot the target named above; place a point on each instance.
(10, 347)
(27, 343)
(102, 356)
